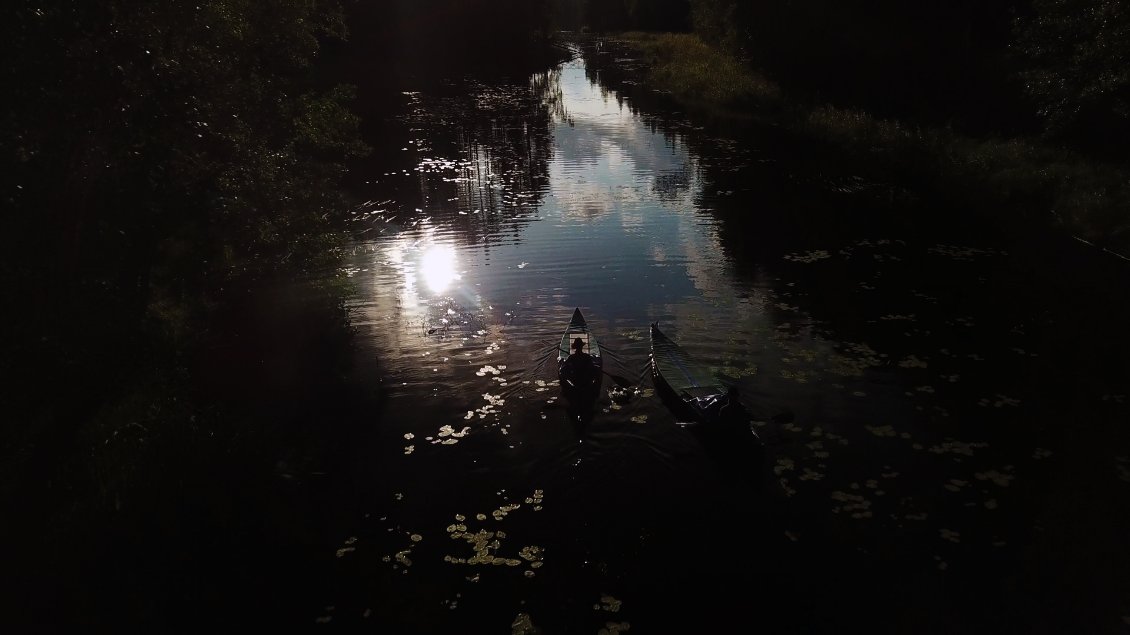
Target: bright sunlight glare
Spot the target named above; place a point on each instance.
(437, 267)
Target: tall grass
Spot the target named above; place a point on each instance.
(1017, 179)
(688, 68)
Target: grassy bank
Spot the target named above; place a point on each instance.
(692, 71)
(1018, 181)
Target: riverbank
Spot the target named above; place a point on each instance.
(200, 486)
(1016, 182)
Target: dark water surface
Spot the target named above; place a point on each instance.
(944, 409)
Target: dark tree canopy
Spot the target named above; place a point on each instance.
(621, 15)
(151, 154)
(1078, 68)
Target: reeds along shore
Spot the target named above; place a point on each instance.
(1018, 180)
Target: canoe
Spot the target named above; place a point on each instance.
(687, 387)
(709, 409)
(580, 373)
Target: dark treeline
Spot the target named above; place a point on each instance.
(160, 162)
(622, 15)
(412, 34)
(1000, 67)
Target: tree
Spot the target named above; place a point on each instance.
(659, 15)
(1078, 72)
(152, 154)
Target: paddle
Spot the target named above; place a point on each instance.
(620, 381)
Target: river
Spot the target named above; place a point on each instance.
(942, 411)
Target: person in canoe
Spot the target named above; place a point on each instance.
(579, 355)
(580, 370)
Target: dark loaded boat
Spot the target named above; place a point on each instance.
(579, 364)
(691, 390)
(709, 409)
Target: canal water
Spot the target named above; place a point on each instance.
(942, 408)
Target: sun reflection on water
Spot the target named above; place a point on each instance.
(421, 268)
(437, 267)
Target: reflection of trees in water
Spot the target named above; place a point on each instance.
(622, 70)
(547, 86)
(669, 186)
(498, 135)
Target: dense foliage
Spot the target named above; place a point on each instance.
(159, 160)
(1078, 69)
(154, 152)
(156, 158)
(190, 123)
